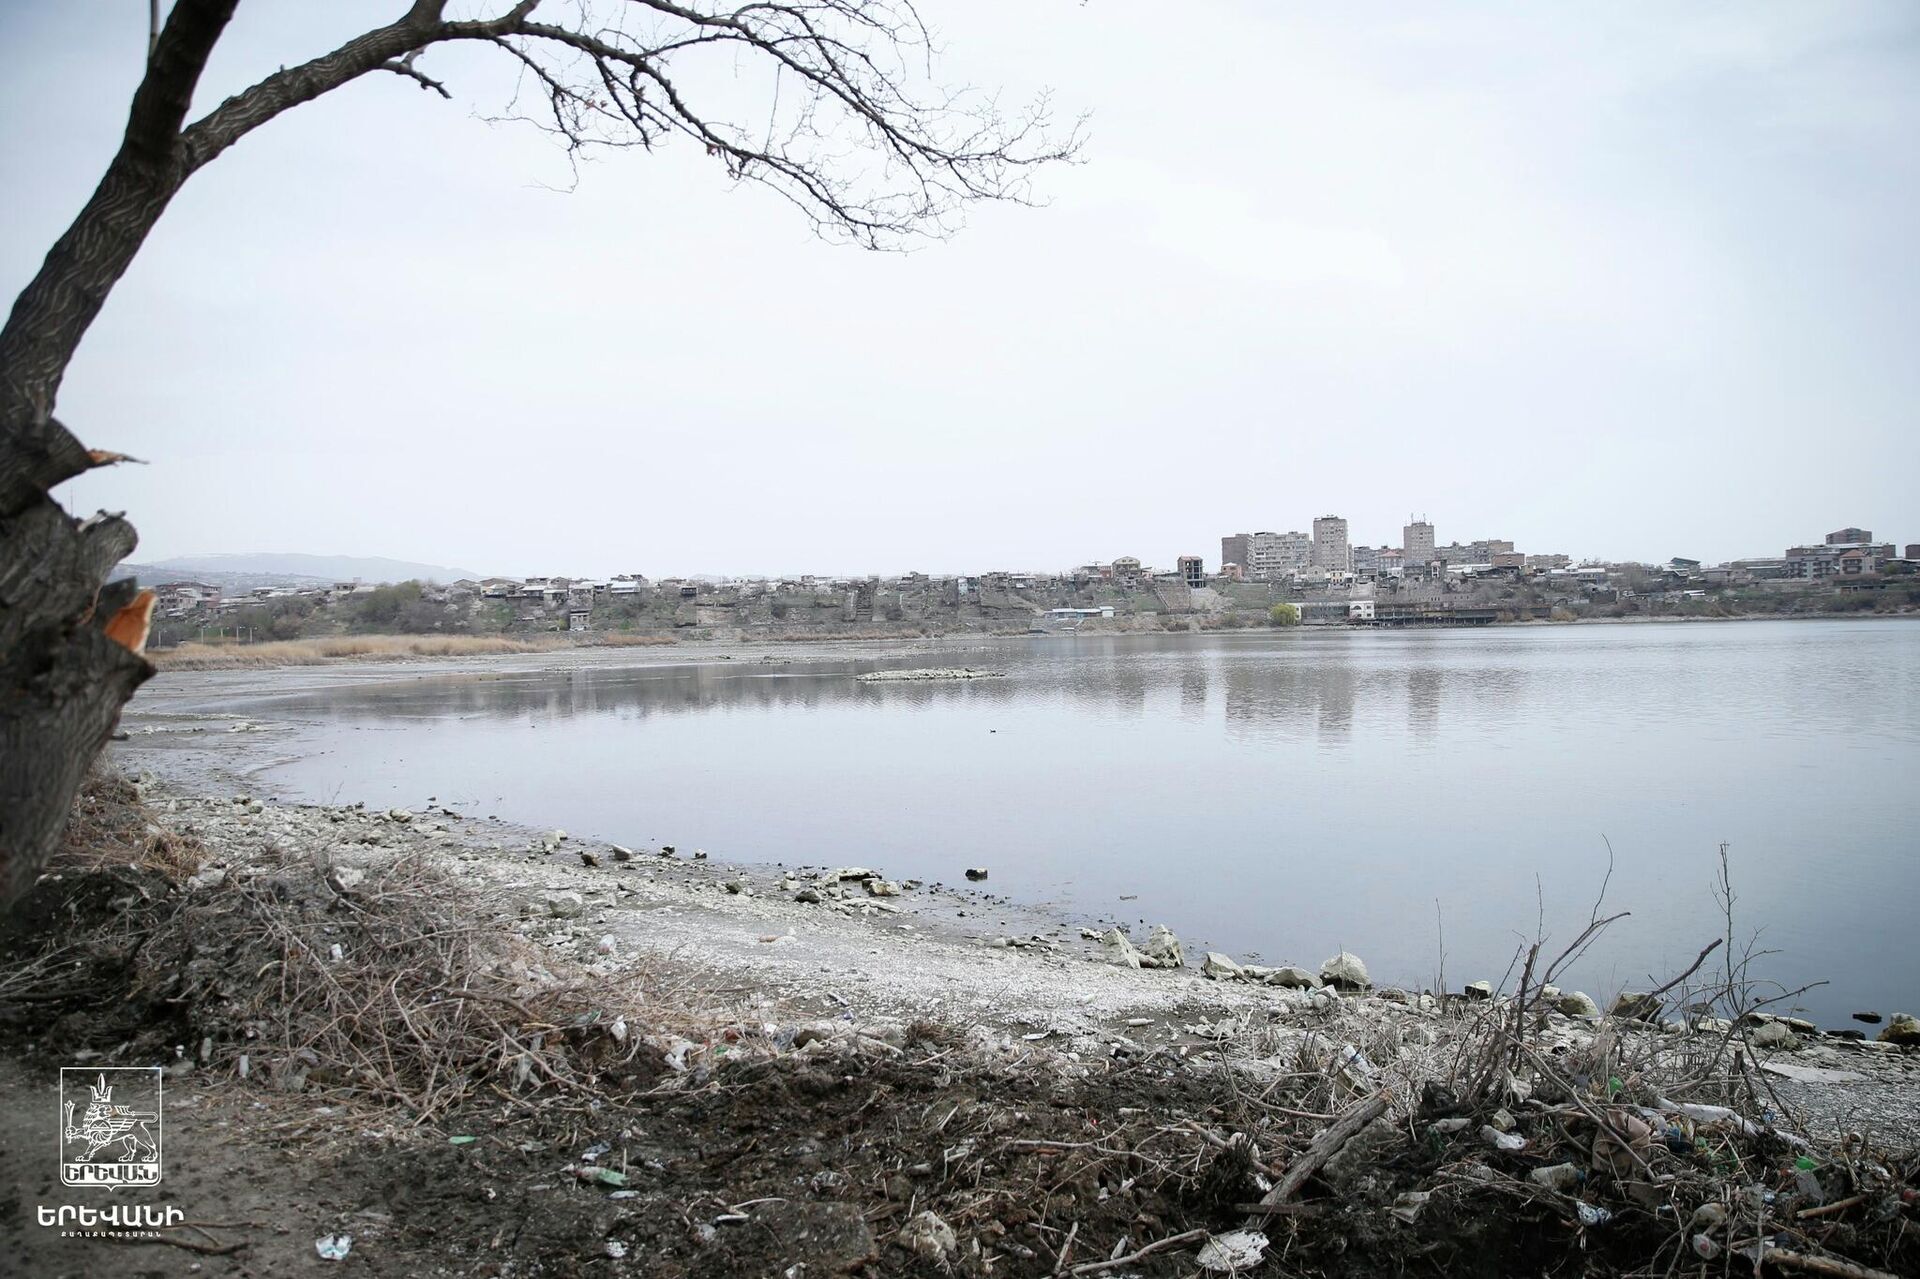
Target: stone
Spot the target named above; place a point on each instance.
(1773, 1034)
(1162, 949)
(1577, 1004)
(564, 905)
(1634, 1007)
(1220, 968)
(1478, 990)
(1345, 972)
(399, 815)
(1291, 976)
(809, 897)
(621, 854)
(883, 888)
(1872, 1019)
(1813, 1074)
(558, 837)
(976, 873)
(1119, 949)
(699, 854)
(928, 1235)
(1902, 1028)
(588, 859)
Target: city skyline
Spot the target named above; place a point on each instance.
(1293, 557)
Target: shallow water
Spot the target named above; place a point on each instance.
(1273, 794)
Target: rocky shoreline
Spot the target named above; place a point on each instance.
(848, 943)
(927, 674)
(494, 1050)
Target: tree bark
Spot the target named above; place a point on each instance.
(63, 680)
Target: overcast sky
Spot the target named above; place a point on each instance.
(1619, 280)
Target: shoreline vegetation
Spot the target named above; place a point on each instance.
(340, 649)
(561, 1055)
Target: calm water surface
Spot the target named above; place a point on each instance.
(1277, 794)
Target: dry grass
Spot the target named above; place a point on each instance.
(379, 983)
(377, 648)
(623, 639)
(110, 827)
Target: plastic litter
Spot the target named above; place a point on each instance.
(1407, 1206)
(1556, 1177)
(333, 1247)
(1502, 1140)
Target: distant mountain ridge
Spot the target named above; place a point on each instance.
(317, 568)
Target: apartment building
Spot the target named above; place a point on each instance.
(1416, 543)
(1331, 551)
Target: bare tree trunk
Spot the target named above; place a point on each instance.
(63, 678)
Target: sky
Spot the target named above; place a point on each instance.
(1620, 280)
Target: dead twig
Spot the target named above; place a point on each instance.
(1323, 1147)
(1158, 1245)
(1821, 1265)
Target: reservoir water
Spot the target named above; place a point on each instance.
(1279, 794)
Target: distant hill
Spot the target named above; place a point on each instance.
(273, 569)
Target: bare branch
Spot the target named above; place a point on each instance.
(404, 66)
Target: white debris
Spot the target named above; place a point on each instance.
(1233, 1252)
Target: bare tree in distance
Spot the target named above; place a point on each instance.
(839, 114)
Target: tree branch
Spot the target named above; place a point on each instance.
(178, 55)
(404, 66)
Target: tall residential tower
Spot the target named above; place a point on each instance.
(1330, 549)
(1416, 543)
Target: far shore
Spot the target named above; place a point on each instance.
(363, 649)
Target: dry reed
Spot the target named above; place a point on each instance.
(372, 648)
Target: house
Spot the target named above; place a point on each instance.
(177, 599)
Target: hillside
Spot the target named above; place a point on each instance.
(268, 568)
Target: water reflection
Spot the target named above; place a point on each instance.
(1285, 794)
